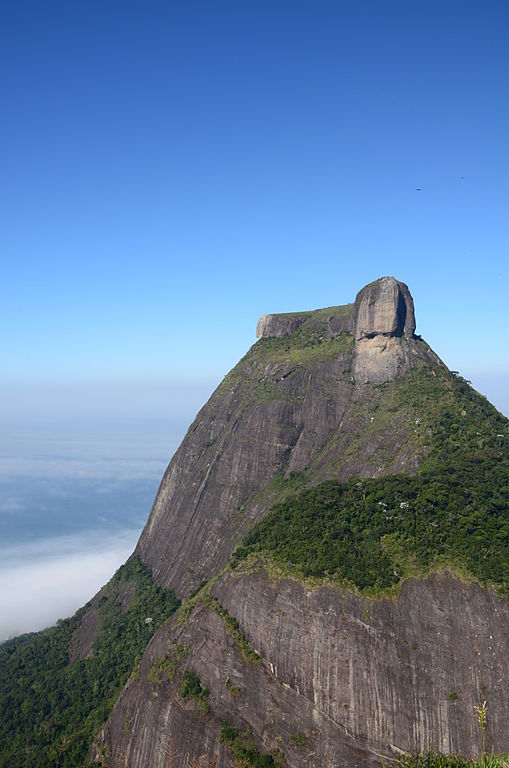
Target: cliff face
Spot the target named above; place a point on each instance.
(290, 404)
(343, 681)
(384, 308)
(314, 675)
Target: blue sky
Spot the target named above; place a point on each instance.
(171, 171)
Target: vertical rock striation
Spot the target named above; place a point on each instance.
(384, 308)
(384, 326)
(343, 681)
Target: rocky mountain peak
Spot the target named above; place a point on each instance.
(291, 404)
(384, 307)
(383, 324)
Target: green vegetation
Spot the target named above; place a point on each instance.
(244, 750)
(191, 688)
(375, 533)
(188, 605)
(343, 310)
(482, 719)
(235, 692)
(281, 486)
(453, 420)
(168, 665)
(232, 628)
(429, 413)
(306, 345)
(261, 373)
(367, 533)
(231, 625)
(50, 709)
(438, 760)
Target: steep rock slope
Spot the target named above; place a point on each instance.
(264, 668)
(343, 681)
(291, 404)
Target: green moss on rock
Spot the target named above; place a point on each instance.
(374, 533)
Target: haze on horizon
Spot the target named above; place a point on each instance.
(172, 173)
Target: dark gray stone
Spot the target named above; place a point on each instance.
(362, 679)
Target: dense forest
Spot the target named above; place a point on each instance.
(52, 701)
(374, 533)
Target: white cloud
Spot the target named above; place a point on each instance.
(100, 468)
(45, 455)
(101, 430)
(50, 579)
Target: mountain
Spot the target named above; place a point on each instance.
(336, 525)
(294, 403)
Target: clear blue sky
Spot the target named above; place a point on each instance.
(170, 171)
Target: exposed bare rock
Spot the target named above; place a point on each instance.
(383, 325)
(279, 325)
(382, 358)
(213, 491)
(344, 680)
(384, 307)
(330, 321)
(239, 441)
(82, 642)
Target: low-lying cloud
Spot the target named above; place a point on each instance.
(100, 468)
(77, 457)
(43, 454)
(50, 579)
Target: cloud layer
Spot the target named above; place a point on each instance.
(51, 578)
(84, 459)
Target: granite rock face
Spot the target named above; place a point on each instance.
(383, 323)
(384, 308)
(343, 680)
(278, 325)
